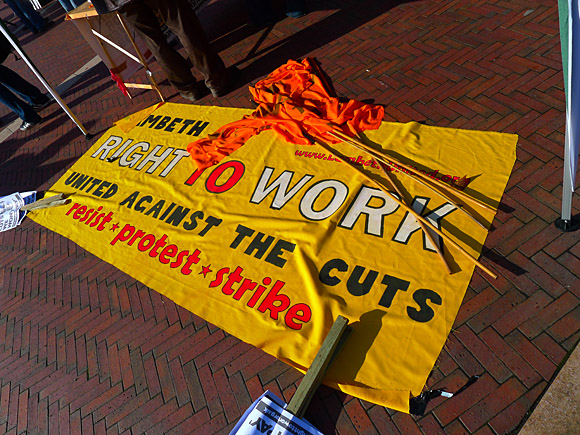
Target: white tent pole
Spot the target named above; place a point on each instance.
(565, 222)
(38, 74)
(569, 37)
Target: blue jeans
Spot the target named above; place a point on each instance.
(69, 5)
(9, 80)
(24, 10)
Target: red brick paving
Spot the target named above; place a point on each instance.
(76, 354)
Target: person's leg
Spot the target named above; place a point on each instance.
(27, 91)
(15, 6)
(37, 21)
(23, 110)
(174, 65)
(69, 5)
(11, 101)
(259, 12)
(183, 21)
(295, 8)
(66, 5)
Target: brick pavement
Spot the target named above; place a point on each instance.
(76, 353)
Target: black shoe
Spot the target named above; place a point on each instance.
(49, 25)
(26, 125)
(234, 75)
(192, 93)
(39, 106)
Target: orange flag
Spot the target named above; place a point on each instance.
(294, 103)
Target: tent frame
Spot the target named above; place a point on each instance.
(14, 42)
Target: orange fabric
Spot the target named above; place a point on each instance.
(294, 103)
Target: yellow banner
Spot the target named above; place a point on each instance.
(277, 240)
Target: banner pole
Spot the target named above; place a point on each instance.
(40, 77)
(330, 348)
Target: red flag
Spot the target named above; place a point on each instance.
(117, 79)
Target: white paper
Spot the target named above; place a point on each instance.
(10, 214)
(267, 417)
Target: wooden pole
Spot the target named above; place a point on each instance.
(391, 160)
(414, 213)
(104, 48)
(347, 140)
(315, 374)
(421, 224)
(52, 201)
(142, 59)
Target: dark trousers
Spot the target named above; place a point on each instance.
(10, 81)
(183, 22)
(69, 5)
(24, 10)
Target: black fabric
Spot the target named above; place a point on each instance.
(418, 405)
(106, 6)
(5, 47)
(14, 89)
